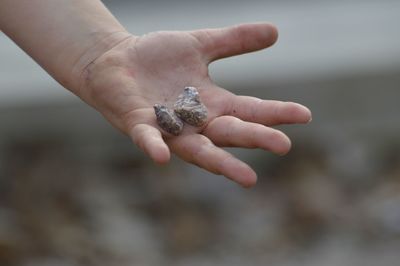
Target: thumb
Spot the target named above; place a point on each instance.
(236, 40)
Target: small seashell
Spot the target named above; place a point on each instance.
(189, 108)
(168, 120)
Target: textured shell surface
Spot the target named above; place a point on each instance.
(189, 107)
(168, 120)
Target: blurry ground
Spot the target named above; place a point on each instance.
(78, 195)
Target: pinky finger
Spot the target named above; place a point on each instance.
(149, 139)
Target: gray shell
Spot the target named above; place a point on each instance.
(189, 108)
(168, 120)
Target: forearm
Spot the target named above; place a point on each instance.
(63, 36)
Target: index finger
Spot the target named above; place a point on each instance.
(267, 112)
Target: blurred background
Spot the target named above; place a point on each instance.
(74, 191)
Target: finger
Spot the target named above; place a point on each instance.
(230, 131)
(268, 112)
(144, 116)
(149, 139)
(240, 39)
(199, 150)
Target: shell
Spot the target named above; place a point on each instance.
(168, 120)
(189, 108)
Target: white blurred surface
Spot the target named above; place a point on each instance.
(317, 40)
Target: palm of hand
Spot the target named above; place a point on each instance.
(125, 83)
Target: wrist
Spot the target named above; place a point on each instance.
(99, 46)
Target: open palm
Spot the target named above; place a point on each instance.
(125, 82)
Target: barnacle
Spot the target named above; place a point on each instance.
(168, 120)
(189, 108)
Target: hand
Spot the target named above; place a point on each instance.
(126, 81)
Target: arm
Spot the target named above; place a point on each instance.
(63, 36)
(85, 49)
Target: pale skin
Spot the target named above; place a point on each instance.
(86, 50)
